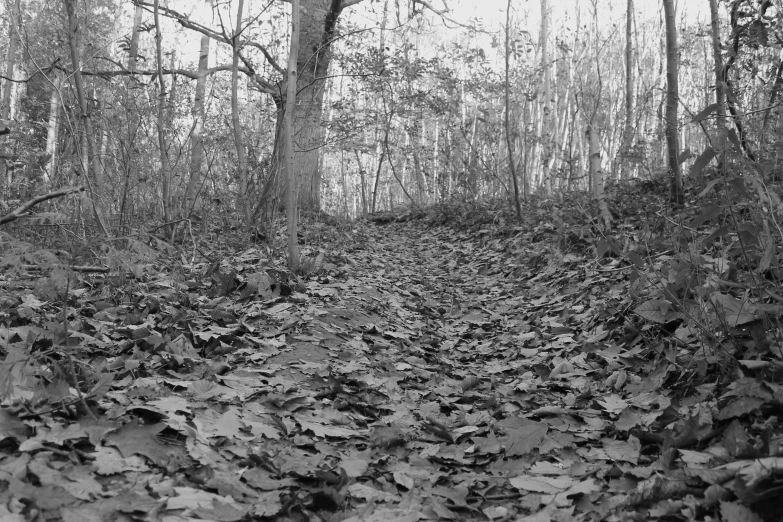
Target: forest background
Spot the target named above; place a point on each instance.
(179, 115)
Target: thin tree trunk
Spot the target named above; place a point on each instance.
(421, 185)
(196, 138)
(720, 80)
(103, 134)
(134, 43)
(436, 175)
(401, 181)
(242, 199)
(597, 176)
(382, 155)
(672, 93)
(161, 122)
(90, 163)
(126, 147)
(546, 146)
(507, 113)
(580, 143)
(53, 128)
(362, 180)
(288, 159)
(12, 56)
(628, 134)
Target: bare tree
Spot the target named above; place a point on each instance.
(196, 137)
(291, 175)
(720, 95)
(672, 93)
(507, 116)
(14, 46)
(133, 51)
(597, 175)
(53, 128)
(244, 207)
(319, 22)
(161, 121)
(546, 120)
(628, 134)
(90, 163)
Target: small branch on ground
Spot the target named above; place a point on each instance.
(21, 210)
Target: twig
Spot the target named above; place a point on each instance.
(16, 214)
(82, 269)
(670, 220)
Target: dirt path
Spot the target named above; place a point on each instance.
(445, 378)
(425, 375)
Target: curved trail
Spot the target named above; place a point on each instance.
(463, 384)
(424, 374)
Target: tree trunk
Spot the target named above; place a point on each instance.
(672, 131)
(288, 161)
(14, 45)
(720, 80)
(165, 170)
(597, 176)
(242, 199)
(507, 113)
(89, 163)
(628, 135)
(134, 43)
(319, 19)
(546, 124)
(362, 180)
(436, 174)
(53, 128)
(381, 156)
(418, 172)
(126, 147)
(196, 138)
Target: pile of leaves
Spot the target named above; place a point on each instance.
(491, 370)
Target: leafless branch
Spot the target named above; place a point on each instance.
(22, 209)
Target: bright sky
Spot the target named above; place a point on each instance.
(493, 12)
(491, 15)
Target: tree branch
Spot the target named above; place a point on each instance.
(441, 12)
(184, 21)
(20, 211)
(268, 56)
(263, 85)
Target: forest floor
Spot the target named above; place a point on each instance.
(421, 372)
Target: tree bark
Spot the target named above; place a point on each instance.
(161, 122)
(89, 163)
(720, 80)
(134, 43)
(242, 198)
(362, 180)
(12, 57)
(53, 128)
(672, 93)
(319, 21)
(196, 138)
(288, 160)
(507, 116)
(597, 175)
(546, 137)
(628, 134)
(381, 156)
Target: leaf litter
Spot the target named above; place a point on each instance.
(420, 372)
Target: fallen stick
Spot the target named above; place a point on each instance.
(22, 209)
(83, 269)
